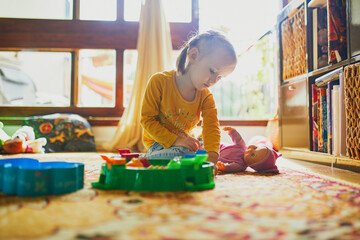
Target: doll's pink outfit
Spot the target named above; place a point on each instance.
(233, 156)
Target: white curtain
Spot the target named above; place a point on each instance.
(154, 55)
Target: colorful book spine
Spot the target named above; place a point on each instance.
(324, 126)
(315, 119)
(337, 30)
(319, 118)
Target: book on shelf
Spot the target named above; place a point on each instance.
(315, 117)
(322, 111)
(320, 37)
(336, 121)
(319, 121)
(337, 42)
(315, 38)
(323, 131)
(330, 103)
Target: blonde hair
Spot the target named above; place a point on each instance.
(205, 42)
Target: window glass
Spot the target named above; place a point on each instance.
(37, 9)
(175, 10)
(97, 78)
(29, 78)
(250, 92)
(98, 10)
(130, 62)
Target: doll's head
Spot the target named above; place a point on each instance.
(261, 158)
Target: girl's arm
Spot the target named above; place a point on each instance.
(210, 124)
(150, 114)
(213, 157)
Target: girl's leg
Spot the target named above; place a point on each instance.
(157, 151)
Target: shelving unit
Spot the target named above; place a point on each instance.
(295, 87)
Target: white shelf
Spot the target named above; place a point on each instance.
(317, 3)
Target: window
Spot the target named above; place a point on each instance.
(36, 9)
(70, 56)
(97, 78)
(250, 92)
(98, 10)
(175, 10)
(26, 84)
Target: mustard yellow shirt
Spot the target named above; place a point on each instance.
(165, 114)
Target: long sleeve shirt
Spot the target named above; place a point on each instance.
(165, 113)
(233, 155)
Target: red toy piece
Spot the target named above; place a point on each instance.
(121, 151)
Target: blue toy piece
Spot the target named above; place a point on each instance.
(29, 177)
(200, 151)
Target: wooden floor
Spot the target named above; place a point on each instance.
(336, 173)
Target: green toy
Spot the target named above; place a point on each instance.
(191, 173)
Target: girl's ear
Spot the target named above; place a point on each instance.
(193, 54)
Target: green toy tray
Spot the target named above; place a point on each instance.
(192, 175)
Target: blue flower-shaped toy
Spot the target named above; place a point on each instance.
(29, 177)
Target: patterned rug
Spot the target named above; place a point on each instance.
(289, 205)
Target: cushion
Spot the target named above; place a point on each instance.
(64, 132)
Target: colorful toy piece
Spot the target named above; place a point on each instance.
(29, 177)
(145, 162)
(135, 162)
(188, 174)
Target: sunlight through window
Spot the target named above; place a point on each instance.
(97, 78)
(36, 9)
(175, 10)
(98, 10)
(250, 92)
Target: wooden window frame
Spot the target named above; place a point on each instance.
(43, 35)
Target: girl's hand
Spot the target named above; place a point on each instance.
(190, 143)
(213, 157)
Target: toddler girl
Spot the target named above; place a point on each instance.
(175, 100)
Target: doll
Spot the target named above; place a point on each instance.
(237, 157)
(23, 141)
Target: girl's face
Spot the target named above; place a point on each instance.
(207, 70)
